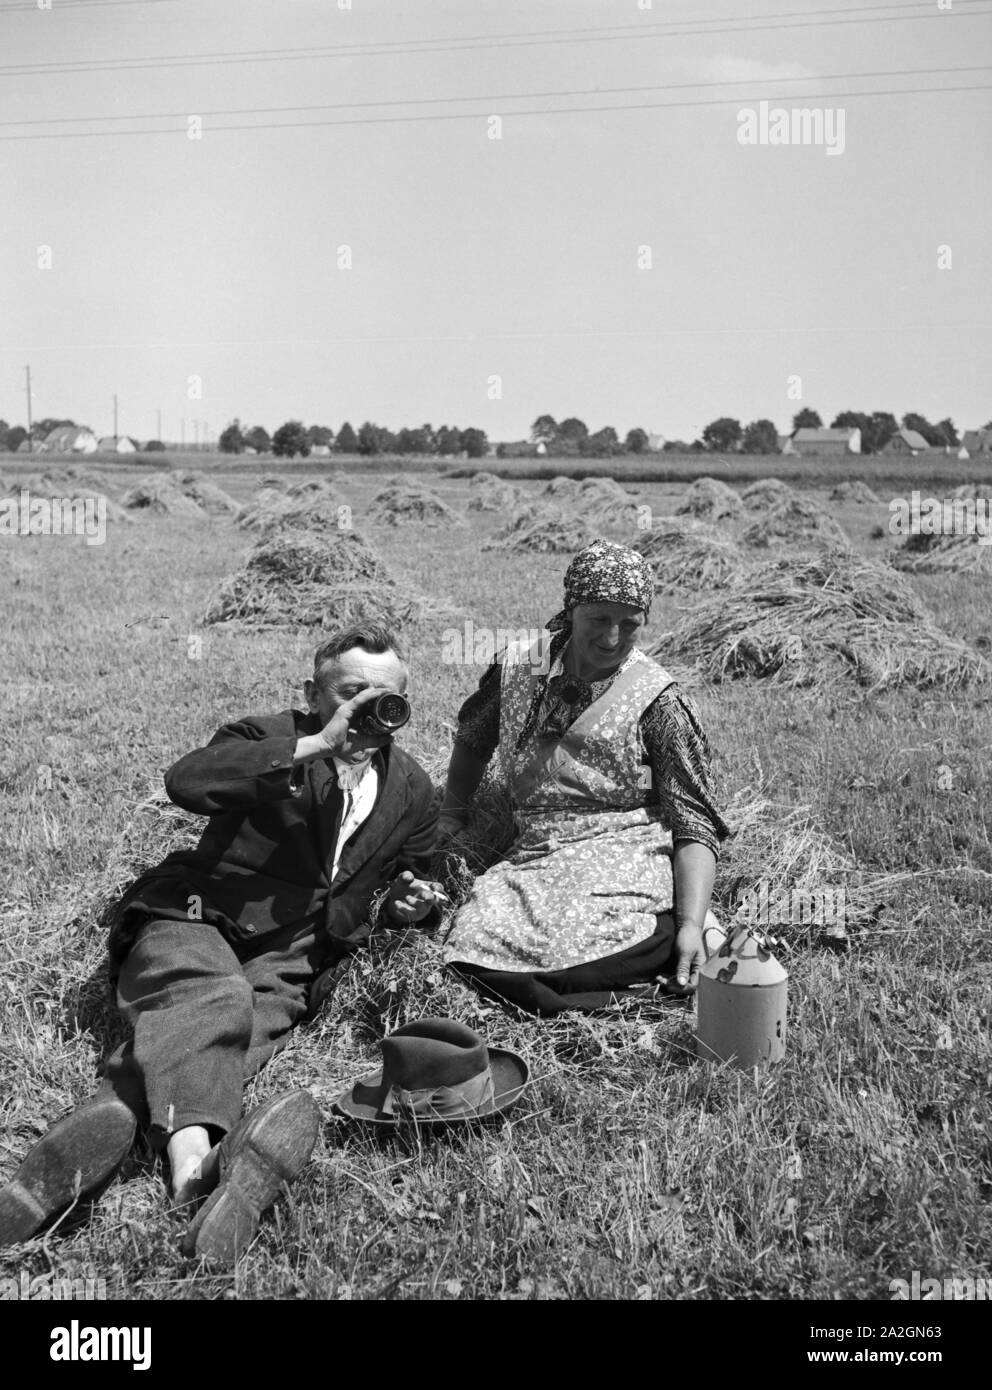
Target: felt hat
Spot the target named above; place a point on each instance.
(436, 1072)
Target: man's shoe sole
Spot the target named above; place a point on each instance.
(72, 1161)
(267, 1150)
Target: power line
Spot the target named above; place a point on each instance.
(482, 115)
(491, 97)
(729, 25)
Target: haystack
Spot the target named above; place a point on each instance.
(208, 495)
(853, 490)
(161, 494)
(794, 519)
(765, 493)
(297, 578)
(605, 501)
(542, 529)
(963, 553)
(400, 504)
(561, 489)
(319, 509)
(491, 494)
(687, 558)
(274, 481)
(709, 498)
(68, 484)
(837, 616)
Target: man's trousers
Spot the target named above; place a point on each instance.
(206, 1015)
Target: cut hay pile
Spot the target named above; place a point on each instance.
(298, 578)
(970, 491)
(959, 554)
(853, 490)
(836, 616)
(561, 489)
(601, 499)
(70, 484)
(491, 494)
(399, 504)
(542, 529)
(273, 480)
(794, 519)
(688, 558)
(765, 493)
(712, 500)
(161, 494)
(318, 508)
(213, 499)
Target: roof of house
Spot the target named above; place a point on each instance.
(64, 438)
(977, 441)
(824, 436)
(912, 438)
(121, 444)
(656, 441)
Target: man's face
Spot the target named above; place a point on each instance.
(344, 677)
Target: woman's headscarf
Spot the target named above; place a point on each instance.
(605, 573)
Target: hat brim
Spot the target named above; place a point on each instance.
(509, 1072)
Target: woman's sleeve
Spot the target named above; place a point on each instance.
(679, 755)
(478, 718)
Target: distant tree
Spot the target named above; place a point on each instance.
(933, 434)
(347, 440)
(881, 427)
(320, 434)
(572, 434)
(760, 437)
(544, 431)
(636, 441)
(948, 432)
(154, 446)
(698, 447)
(16, 436)
(806, 419)
(232, 441)
(449, 441)
(4, 431)
(258, 439)
(474, 443)
(723, 435)
(855, 420)
(603, 444)
(290, 439)
(427, 436)
(368, 438)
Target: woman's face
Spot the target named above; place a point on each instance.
(604, 633)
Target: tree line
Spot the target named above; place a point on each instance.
(294, 438)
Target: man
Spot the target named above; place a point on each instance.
(215, 951)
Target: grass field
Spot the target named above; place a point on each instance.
(633, 1170)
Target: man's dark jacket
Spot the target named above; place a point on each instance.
(264, 861)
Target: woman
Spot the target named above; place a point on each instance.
(608, 881)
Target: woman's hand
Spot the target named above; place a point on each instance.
(410, 898)
(690, 954)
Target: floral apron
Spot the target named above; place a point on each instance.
(590, 866)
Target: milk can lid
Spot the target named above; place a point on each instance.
(744, 959)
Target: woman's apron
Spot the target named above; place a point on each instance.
(590, 866)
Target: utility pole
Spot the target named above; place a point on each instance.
(182, 432)
(30, 440)
(159, 435)
(196, 433)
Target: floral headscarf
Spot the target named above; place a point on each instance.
(605, 573)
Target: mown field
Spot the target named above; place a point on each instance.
(633, 1170)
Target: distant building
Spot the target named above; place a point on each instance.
(320, 451)
(68, 439)
(785, 445)
(975, 442)
(655, 444)
(541, 449)
(518, 449)
(907, 442)
(117, 444)
(822, 441)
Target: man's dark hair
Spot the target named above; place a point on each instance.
(371, 637)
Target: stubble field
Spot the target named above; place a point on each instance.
(632, 1170)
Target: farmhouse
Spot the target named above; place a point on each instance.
(516, 449)
(976, 442)
(655, 444)
(821, 441)
(906, 442)
(68, 439)
(117, 444)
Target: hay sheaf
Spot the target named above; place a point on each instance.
(487, 493)
(712, 499)
(765, 493)
(542, 529)
(300, 579)
(963, 553)
(162, 495)
(853, 490)
(401, 504)
(320, 509)
(599, 498)
(69, 485)
(836, 617)
(794, 519)
(207, 494)
(686, 558)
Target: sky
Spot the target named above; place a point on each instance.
(385, 257)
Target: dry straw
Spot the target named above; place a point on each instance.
(835, 617)
(162, 495)
(487, 493)
(765, 493)
(542, 529)
(404, 501)
(70, 484)
(853, 490)
(314, 505)
(689, 558)
(959, 554)
(299, 578)
(794, 519)
(600, 499)
(711, 499)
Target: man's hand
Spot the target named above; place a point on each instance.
(690, 954)
(410, 898)
(341, 737)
